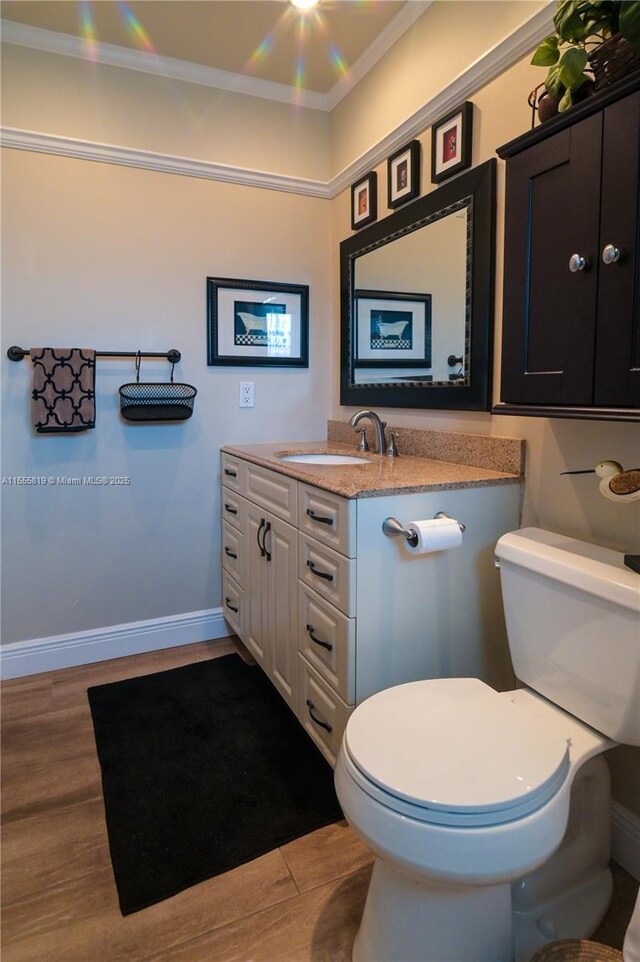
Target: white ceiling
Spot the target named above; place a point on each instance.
(320, 51)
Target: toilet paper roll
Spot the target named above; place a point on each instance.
(436, 534)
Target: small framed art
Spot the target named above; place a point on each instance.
(451, 141)
(392, 329)
(403, 174)
(251, 323)
(364, 201)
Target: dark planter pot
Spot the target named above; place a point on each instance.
(613, 60)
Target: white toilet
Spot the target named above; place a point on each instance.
(489, 812)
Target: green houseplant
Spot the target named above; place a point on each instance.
(584, 29)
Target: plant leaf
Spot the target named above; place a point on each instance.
(565, 101)
(553, 82)
(630, 23)
(571, 68)
(547, 53)
(568, 20)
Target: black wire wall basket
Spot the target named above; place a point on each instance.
(159, 401)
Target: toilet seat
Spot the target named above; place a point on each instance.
(452, 751)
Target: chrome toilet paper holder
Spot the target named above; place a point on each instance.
(394, 528)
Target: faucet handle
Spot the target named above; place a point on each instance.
(364, 445)
(392, 451)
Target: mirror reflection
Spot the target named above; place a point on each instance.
(411, 303)
(416, 301)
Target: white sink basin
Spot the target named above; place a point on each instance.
(322, 458)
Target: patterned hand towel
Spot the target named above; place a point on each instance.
(63, 395)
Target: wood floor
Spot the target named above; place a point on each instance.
(300, 903)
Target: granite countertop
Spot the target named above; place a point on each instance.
(377, 475)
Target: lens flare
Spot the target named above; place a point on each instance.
(265, 47)
(88, 29)
(135, 29)
(340, 67)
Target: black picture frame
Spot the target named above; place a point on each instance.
(406, 342)
(451, 143)
(364, 201)
(257, 323)
(403, 174)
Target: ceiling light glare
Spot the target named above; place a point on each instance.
(304, 4)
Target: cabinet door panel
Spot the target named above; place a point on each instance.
(618, 343)
(553, 193)
(281, 542)
(256, 625)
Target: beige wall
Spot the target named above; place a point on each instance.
(115, 258)
(76, 98)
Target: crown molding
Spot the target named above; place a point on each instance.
(68, 45)
(501, 56)
(43, 143)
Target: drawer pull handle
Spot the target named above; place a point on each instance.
(231, 510)
(230, 474)
(318, 517)
(322, 724)
(267, 529)
(316, 641)
(229, 605)
(230, 553)
(263, 521)
(319, 574)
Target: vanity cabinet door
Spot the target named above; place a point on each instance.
(256, 636)
(281, 543)
(271, 600)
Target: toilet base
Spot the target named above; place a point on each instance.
(409, 919)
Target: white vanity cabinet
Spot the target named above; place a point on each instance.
(333, 610)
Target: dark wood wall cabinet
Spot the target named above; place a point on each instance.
(571, 323)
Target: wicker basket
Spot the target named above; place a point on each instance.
(576, 950)
(613, 60)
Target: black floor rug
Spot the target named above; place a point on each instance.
(203, 768)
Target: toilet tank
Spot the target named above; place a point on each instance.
(572, 612)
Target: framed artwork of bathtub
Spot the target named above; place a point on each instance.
(393, 329)
(257, 323)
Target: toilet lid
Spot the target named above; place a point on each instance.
(454, 747)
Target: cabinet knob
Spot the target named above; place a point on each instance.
(577, 263)
(611, 254)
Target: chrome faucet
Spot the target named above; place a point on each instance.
(378, 427)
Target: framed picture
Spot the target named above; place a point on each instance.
(403, 174)
(451, 140)
(253, 323)
(392, 329)
(364, 201)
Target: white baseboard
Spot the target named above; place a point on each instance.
(85, 647)
(625, 839)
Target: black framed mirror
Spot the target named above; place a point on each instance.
(416, 301)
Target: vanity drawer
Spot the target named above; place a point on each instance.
(321, 711)
(329, 573)
(232, 472)
(233, 509)
(327, 639)
(233, 604)
(273, 491)
(328, 518)
(233, 554)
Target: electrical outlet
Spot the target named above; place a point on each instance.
(246, 394)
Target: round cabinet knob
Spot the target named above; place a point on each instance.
(577, 263)
(610, 254)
